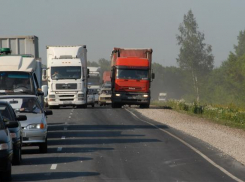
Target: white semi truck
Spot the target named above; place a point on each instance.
(67, 76)
(94, 82)
(20, 66)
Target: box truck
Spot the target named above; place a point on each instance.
(67, 76)
(131, 77)
(20, 66)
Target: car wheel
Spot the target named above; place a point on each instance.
(92, 105)
(43, 147)
(17, 158)
(6, 176)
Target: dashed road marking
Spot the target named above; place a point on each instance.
(53, 166)
(63, 137)
(69, 117)
(191, 147)
(59, 149)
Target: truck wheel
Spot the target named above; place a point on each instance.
(43, 147)
(144, 105)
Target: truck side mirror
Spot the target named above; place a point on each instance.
(153, 76)
(45, 90)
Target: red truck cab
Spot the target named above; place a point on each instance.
(131, 77)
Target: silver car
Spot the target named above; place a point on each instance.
(34, 129)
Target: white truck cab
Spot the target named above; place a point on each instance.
(67, 76)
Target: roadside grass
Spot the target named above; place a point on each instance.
(230, 115)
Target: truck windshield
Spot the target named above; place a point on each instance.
(132, 74)
(94, 80)
(68, 72)
(15, 82)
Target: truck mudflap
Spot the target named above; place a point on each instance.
(130, 98)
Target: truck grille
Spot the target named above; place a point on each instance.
(62, 86)
(66, 95)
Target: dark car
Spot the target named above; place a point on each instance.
(8, 114)
(6, 150)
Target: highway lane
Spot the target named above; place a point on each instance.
(104, 144)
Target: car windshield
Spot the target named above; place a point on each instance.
(24, 104)
(69, 72)
(132, 74)
(15, 82)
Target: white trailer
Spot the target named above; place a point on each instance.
(67, 76)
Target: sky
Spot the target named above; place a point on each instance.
(104, 24)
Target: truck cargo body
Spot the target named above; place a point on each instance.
(67, 76)
(20, 67)
(21, 44)
(131, 77)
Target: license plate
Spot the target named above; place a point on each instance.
(131, 97)
(67, 102)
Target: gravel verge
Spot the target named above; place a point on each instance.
(229, 140)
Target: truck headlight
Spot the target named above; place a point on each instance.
(51, 96)
(35, 126)
(118, 95)
(145, 95)
(4, 146)
(80, 95)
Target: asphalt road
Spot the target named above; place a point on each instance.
(104, 144)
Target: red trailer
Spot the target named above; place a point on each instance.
(131, 77)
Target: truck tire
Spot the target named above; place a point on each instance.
(115, 105)
(144, 105)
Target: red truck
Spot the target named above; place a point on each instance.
(106, 76)
(131, 77)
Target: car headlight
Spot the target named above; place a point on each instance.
(51, 96)
(35, 126)
(118, 95)
(145, 95)
(4, 146)
(80, 95)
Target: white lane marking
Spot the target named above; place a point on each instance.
(193, 148)
(53, 166)
(65, 128)
(71, 113)
(69, 117)
(63, 137)
(59, 149)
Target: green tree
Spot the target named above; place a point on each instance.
(104, 64)
(240, 48)
(195, 56)
(92, 64)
